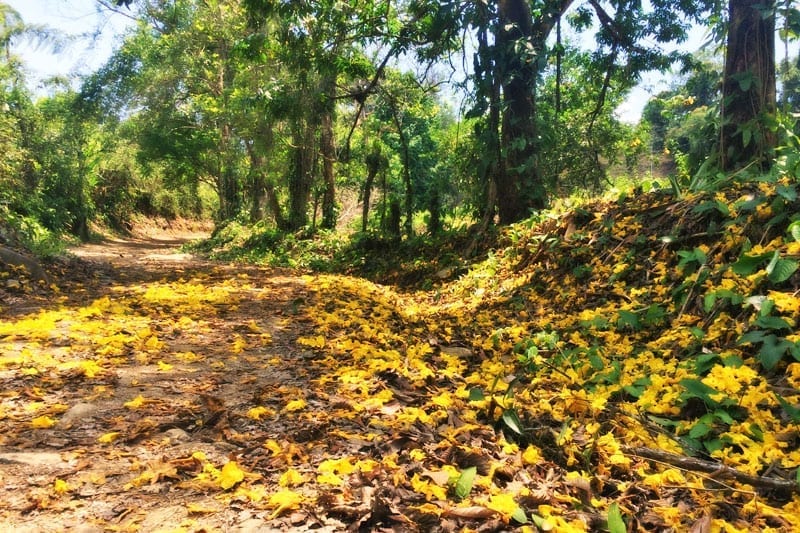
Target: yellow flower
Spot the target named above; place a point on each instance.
(284, 500)
(787, 303)
(296, 405)
(291, 478)
(230, 475)
(60, 486)
(43, 422)
(504, 504)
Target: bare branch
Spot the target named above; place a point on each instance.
(115, 9)
(717, 470)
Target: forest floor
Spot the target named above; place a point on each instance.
(153, 359)
(630, 366)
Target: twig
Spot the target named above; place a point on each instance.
(710, 467)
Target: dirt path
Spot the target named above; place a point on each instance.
(126, 394)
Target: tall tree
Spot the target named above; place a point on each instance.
(748, 86)
(512, 53)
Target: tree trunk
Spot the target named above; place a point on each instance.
(519, 187)
(328, 150)
(406, 158)
(302, 174)
(229, 192)
(748, 90)
(262, 190)
(488, 85)
(393, 222)
(374, 163)
(435, 211)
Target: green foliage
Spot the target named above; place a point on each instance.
(463, 485)
(27, 232)
(615, 522)
(582, 138)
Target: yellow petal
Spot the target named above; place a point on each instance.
(136, 403)
(60, 486)
(283, 501)
(43, 422)
(312, 342)
(273, 446)
(503, 504)
(256, 413)
(196, 508)
(531, 455)
(291, 478)
(108, 437)
(296, 405)
(230, 475)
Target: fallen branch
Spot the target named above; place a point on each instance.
(715, 469)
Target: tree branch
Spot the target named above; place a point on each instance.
(117, 10)
(716, 470)
(366, 91)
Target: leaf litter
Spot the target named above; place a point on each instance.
(633, 365)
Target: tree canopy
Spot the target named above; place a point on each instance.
(266, 110)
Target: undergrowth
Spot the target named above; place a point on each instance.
(632, 346)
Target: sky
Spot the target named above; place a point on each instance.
(92, 33)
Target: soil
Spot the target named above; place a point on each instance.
(64, 478)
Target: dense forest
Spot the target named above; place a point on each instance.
(427, 115)
(444, 285)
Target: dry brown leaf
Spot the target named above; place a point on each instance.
(472, 512)
(703, 525)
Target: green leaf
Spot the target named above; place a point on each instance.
(636, 392)
(756, 433)
(615, 522)
(787, 192)
(733, 361)
(543, 525)
(700, 430)
(747, 264)
(698, 333)
(767, 305)
(519, 516)
(655, 315)
(698, 389)
(476, 394)
(705, 362)
(627, 319)
(791, 410)
(752, 337)
(700, 255)
(782, 270)
(512, 421)
(665, 422)
(773, 261)
(794, 230)
(772, 351)
(794, 349)
(747, 133)
(712, 445)
(708, 301)
(596, 361)
(724, 416)
(464, 484)
(775, 323)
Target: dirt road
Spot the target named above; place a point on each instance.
(126, 392)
